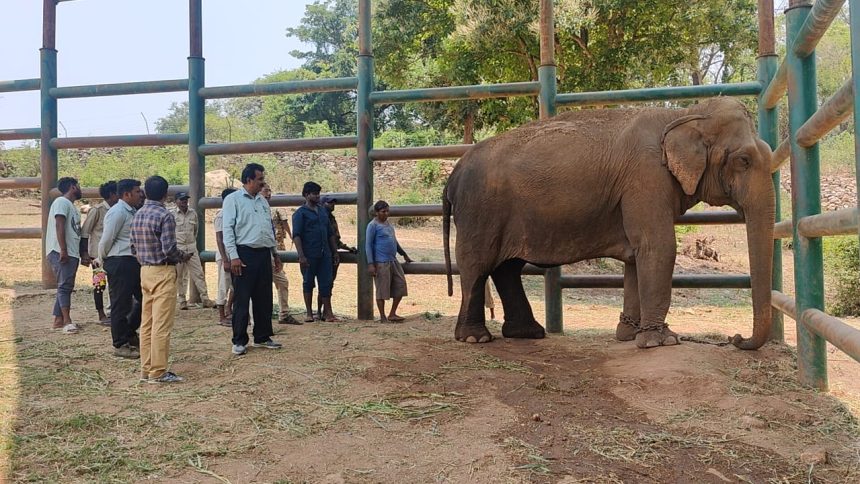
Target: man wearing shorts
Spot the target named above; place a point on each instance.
(382, 250)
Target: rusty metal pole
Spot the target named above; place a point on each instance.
(768, 128)
(554, 312)
(854, 6)
(48, 158)
(364, 114)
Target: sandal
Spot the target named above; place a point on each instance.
(396, 318)
(309, 319)
(332, 319)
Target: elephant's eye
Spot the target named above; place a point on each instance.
(743, 162)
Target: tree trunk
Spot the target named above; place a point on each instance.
(469, 128)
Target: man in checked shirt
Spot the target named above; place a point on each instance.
(153, 239)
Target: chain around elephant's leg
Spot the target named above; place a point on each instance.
(656, 334)
(627, 328)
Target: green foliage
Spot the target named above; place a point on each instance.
(19, 162)
(318, 130)
(837, 152)
(171, 162)
(842, 259)
(429, 173)
(682, 230)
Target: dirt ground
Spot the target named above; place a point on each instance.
(361, 401)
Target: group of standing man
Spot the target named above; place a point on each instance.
(147, 252)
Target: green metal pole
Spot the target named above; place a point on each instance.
(196, 115)
(768, 128)
(806, 200)
(554, 312)
(48, 155)
(855, 69)
(364, 113)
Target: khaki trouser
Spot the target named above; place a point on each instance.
(225, 284)
(283, 287)
(193, 269)
(158, 284)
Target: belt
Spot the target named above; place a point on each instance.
(254, 249)
(161, 264)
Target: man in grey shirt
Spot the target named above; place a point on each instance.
(123, 269)
(252, 250)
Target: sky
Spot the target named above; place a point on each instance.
(109, 41)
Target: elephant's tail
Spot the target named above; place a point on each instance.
(446, 233)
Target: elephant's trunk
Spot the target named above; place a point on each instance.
(759, 220)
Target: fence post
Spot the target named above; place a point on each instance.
(48, 155)
(196, 125)
(547, 76)
(364, 113)
(806, 200)
(854, 6)
(768, 128)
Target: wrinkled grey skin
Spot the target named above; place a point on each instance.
(606, 183)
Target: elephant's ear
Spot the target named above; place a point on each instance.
(684, 151)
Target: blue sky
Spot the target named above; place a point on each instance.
(107, 41)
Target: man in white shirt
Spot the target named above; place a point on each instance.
(63, 250)
(123, 270)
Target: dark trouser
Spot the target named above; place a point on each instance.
(99, 299)
(65, 274)
(255, 284)
(125, 295)
(319, 268)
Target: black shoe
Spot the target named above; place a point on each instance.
(269, 344)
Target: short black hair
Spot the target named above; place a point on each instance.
(107, 189)
(380, 205)
(65, 184)
(126, 185)
(311, 187)
(226, 192)
(155, 187)
(250, 171)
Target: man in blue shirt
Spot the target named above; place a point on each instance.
(317, 247)
(252, 252)
(382, 250)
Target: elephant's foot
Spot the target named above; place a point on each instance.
(530, 330)
(472, 333)
(626, 329)
(656, 335)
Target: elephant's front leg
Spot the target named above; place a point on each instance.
(471, 322)
(655, 261)
(628, 321)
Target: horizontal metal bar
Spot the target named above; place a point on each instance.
(835, 110)
(836, 332)
(20, 133)
(120, 89)
(21, 233)
(781, 154)
(819, 19)
(93, 192)
(17, 183)
(657, 94)
(679, 281)
(837, 222)
(689, 218)
(288, 257)
(419, 153)
(115, 141)
(784, 303)
(273, 88)
(783, 230)
(309, 144)
(438, 268)
(346, 198)
(710, 218)
(21, 85)
(480, 91)
(777, 87)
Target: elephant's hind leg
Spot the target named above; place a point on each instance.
(471, 322)
(519, 319)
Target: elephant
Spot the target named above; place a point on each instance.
(606, 183)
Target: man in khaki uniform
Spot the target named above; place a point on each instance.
(281, 226)
(92, 231)
(186, 241)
